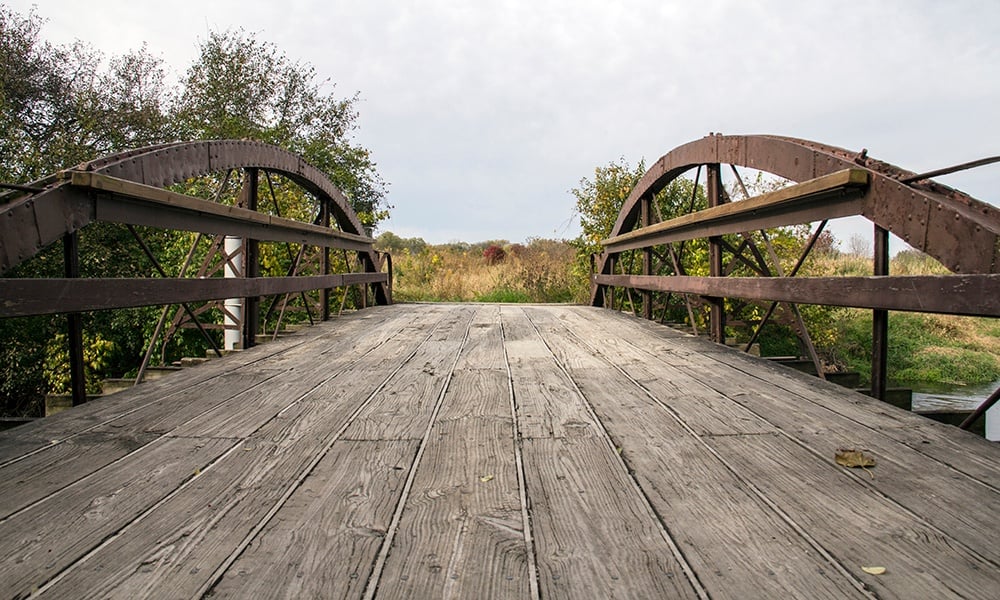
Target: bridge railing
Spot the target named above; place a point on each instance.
(130, 189)
(962, 233)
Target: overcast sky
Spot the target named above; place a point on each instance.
(482, 116)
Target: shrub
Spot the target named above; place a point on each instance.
(494, 255)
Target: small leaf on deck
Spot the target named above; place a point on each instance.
(873, 570)
(849, 457)
(486, 478)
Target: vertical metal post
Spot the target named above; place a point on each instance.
(717, 328)
(646, 206)
(74, 323)
(324, 294)
(610, 290)
(880, 320)
(251, 265)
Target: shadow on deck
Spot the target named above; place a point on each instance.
(485, 451)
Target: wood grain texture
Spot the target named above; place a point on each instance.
(594, 537)
(949, 498)
(460, 533)
(646, 455)
(701, 407)
(728, 535)
(858, 527)
(201, 526)
(401, 410)
(323, 541)
(37, 543)
(547, 404)
(109, 410)
(484, 348)
(44, 473)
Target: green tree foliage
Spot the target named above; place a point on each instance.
(393, 244)
(62, 105)
(242, 88)
(599, 200)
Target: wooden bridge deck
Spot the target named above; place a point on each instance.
(484, 451)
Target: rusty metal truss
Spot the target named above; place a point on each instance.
(132, 188)
(828, 182)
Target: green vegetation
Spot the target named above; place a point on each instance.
(923, 348)
(63, 105)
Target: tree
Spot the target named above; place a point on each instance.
(62, 105)
(242, 88)
(599, 201)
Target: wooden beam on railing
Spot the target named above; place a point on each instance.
(835, 195)
(969, 295)
(137, 204)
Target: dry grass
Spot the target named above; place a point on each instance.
(542, 271)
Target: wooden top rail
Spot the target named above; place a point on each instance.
(138, 204)
(828, 197)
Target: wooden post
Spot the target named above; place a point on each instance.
(74, 323)
(646, 216)
(251, 267)
(880, 321)
(717, 328)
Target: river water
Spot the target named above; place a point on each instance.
(943, 396)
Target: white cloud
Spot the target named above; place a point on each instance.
(483, 116)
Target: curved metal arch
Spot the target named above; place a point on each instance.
(956, 229)
(31, 223)
(167, 164)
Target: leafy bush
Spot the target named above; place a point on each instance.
(494, 255)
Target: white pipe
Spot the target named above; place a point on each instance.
(233, 336)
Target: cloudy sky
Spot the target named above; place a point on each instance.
(483, 116)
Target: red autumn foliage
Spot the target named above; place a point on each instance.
(494, 255)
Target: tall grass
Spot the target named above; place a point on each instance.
(541, 271)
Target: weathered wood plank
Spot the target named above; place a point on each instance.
(203, 525)
(44, 473)
(460, 534)
(965, 452)
(947, 497)
(228, 405)
(727, 534)
(347, 357)
(323, 542)
(401, 410)
(547, 404)
(295, 509)
(594, 537)
(342, 515)
(484, 348)
(38, 543)
(53, 430)
(858, 527)
(701, 407)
